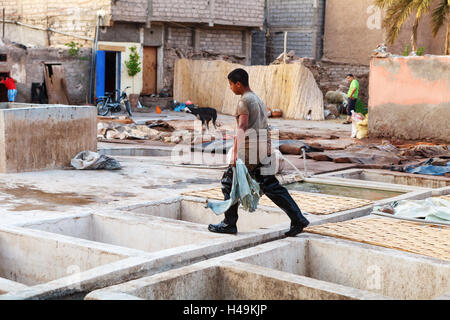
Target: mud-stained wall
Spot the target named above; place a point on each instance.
(35, 137)
(410, 98)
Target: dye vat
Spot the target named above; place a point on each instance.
(408, 179)
(306, 267)
(129, 232)
(344, 191)
(195, 212)
(29, 258)
(235, 281)
(392, 273)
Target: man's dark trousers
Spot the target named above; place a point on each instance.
(272, 188)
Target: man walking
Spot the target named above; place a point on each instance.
(253, 147)
(11, 86)
(353, 92)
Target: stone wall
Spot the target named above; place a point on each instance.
(410, 98)
(330, 76)
(79, 19)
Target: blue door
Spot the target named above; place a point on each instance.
(100, 80)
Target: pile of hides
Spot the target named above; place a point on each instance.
(152, 131)
(288, 87)
(362, 154)
(426, 151)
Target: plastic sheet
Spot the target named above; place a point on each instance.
(88, 160)
(428, 169)
(430, 210)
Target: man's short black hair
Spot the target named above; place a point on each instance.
(350, 75)
(239, 75)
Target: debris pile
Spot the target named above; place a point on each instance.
(290, 58)
(114, 130)
(381, 52)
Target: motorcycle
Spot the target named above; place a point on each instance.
(108, 103)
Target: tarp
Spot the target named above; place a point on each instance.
(428, 169)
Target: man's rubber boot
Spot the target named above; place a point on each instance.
(295, 229)
(222, 228)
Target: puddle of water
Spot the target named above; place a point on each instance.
(44, 199)
(352, 192)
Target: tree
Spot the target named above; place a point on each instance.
(398, 11)
(134, 64)
(440, 15)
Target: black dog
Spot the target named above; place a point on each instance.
(203, 114)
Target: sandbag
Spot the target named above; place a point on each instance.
(362, 128)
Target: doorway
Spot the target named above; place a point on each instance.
(108, 73)
(149, 70)
(3, 90)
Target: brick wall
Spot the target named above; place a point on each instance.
(225, 12)
(222, 41)
(212, 43)
(259, 45)
(179, 37)
(129, 10)
(304, 22)
(293, 13)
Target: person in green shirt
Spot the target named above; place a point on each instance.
(352, 95)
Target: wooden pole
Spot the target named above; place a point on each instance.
(285, 46)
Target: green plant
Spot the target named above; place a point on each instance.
(75, 48)
(133, 65)
(361, 107)
(420, 51)
(407, 50)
